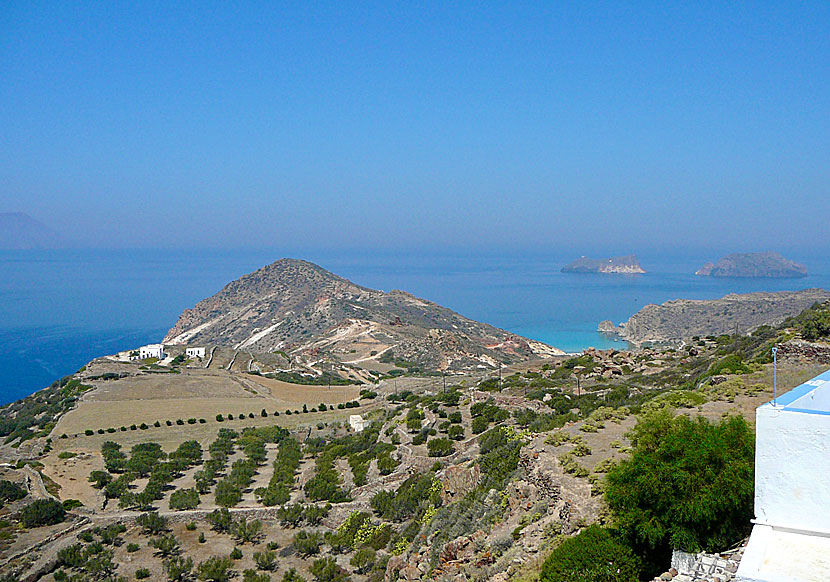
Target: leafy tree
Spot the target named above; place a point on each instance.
(251, 575)
(152, 523)
(327, 570)
(246, 531)
(440, 447)
(687, 485)
(593, 555)
(227, 494)
(307, 543)
(11, 491)
(42, 512)
(184, 499)
(220, 519)
(363, 560)
(100, 479)
(215, 569)
(178, 568)
(166, 546)
(266, 560)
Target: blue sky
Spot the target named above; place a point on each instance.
(488, 126)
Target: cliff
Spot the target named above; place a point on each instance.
(617, 265)
(767, 265)
(682, 319)
(302, 309)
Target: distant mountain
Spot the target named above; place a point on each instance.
(19, 231)
(300, 308)
(624, 265)
(682, 319)
(761, 265)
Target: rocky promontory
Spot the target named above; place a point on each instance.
(681, 319)
(626, 265)
(756, 265)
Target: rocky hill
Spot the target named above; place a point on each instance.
(300, 308)
(618, 265)
(767, 265)
(681, 319)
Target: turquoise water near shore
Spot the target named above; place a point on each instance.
(60, 309)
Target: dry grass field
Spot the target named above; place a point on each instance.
(193, 394)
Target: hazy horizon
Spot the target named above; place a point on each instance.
(593, 129)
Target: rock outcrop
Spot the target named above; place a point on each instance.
(682, 319)
(627, 265)
(299, 308)
(755, 265)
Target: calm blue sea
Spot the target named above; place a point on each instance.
(60, 309)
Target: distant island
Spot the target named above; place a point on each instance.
(627, 265)
(755, 265)
(19, 231)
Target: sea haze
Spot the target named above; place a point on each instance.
(60, 309)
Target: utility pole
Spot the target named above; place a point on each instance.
(500, 385)
(444, 377)
(774, 375)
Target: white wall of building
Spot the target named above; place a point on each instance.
(151, 351)
(195, 352)
(790, 540)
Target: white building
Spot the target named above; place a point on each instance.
(151, 351)
(790, 540)
(195, 352)
(357, 423)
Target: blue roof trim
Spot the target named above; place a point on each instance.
(798, 392)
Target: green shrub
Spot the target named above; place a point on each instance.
(131, 547)
(236, 554)
(142, 573)
(42, 512)
(593, 555)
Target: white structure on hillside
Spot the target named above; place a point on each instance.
(195, 352)
(791, 537)
(357, 423)
(151, 351)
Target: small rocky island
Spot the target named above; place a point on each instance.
(756, 265)
(627, 265)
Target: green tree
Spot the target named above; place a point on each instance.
(266, 560)
(178, 568)
(42, 512)
(687, 485)
(215, 569)
(166, 546)
(327, 570)
(363, 560)
(152, 523)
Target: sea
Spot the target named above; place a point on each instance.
(60, 309)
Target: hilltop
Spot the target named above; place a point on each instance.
(756, 265)
(681, 319)
(303, 311)
(628, 265)
(19, 231)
